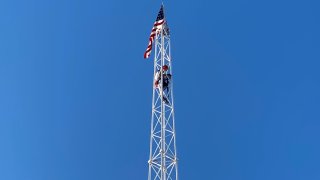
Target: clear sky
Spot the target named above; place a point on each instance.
(75, 91)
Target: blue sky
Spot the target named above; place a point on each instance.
(75, 91)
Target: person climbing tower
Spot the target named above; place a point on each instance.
(166, 77)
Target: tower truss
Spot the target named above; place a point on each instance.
(163, 155)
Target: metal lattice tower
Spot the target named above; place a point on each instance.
(163, 155)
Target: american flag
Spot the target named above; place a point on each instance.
(158, 24)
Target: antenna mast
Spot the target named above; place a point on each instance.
(163, 155)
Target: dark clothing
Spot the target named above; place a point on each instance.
(166, 81)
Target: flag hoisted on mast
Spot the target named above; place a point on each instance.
(157, 26)
(163, 162)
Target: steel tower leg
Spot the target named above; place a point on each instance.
(163, 155)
